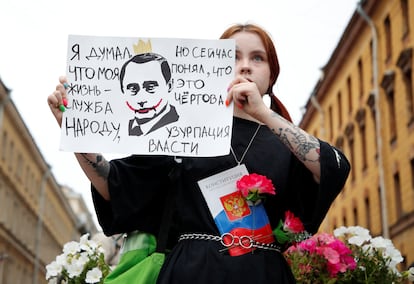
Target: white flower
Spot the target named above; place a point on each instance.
(93, 276)
(52, 281)
(340, 232)
(411, 274)
(71, 248)
(87, 245)
(381, 243)
(53, 269)
(74, 262)
(394, 254)
(74, 269)
(62, 259)
(93, 245)
(360, 231)
(357, 235)
(395, 258)
(83, 258)
(358, 240)
(363, 268)
(84, 239)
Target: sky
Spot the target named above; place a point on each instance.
(33, 47)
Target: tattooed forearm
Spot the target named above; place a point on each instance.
(100, 165)
(304, 146)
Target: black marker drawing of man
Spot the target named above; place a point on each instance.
(146, 83)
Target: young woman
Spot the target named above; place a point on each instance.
(308, 174)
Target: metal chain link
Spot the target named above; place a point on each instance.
(207, 237)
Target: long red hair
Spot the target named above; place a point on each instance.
(275, 104)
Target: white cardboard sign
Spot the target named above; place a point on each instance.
(150, 96)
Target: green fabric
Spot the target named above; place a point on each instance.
(139, 263)
(139, 241)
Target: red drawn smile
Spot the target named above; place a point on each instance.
(144, 110)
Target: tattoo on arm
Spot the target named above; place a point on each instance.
(101, 166)
(299, 142)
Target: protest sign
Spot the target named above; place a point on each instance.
(150, 96)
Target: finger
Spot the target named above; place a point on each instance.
(230, 92)
(241, 94)
(63, 79)
(64, 83)
(52, 100)
(229, 97)
(55, 100)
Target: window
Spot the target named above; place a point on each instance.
(19, 168)
(404, 63)
(367, 207)
(4, 147)
(355, 215)
(349, 88)
(398, 197)
(408, 84)
(391, 116)
(405, 18)
(388, 85)
(330, 121)
(344, 221)
(361, 78)
(339, 102)
(10, 159)
(388, 39)
(412, 172)
(360, 118)
(371, 106)
(349, 132)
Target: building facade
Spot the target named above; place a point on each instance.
(364, 105)
(36, 218)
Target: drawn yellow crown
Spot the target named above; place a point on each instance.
(142, 47)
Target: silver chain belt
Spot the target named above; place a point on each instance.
(228, 240)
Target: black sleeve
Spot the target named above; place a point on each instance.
(138, 188)
(310, 200)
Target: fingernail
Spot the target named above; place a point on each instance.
(62, 108)
(65, 102)
(228, 88)
(227, 102)
(65, 85)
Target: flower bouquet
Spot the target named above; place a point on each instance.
(320, 259)
(80, 262)
(350, 255)
(377, 258)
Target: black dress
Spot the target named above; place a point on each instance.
(138, 188)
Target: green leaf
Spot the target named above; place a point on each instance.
(280, 235)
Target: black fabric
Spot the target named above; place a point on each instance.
(166, 225)
(138, 187)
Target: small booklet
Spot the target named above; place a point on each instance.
(232, 213)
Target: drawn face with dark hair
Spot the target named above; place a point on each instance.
(146, 84)
(145, 89)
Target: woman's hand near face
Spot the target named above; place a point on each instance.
(246, 96)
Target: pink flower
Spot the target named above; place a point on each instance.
(308, 245)
(253, 185)
(326, 253)
(292, 223)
